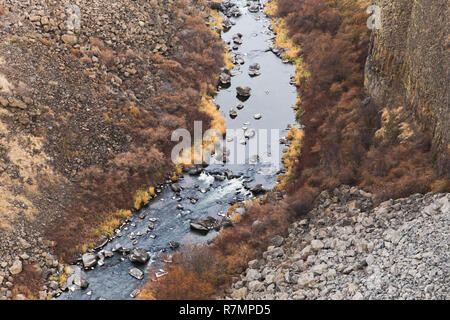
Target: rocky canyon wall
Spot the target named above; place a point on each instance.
(407, 72)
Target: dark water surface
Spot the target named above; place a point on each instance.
(272, 97)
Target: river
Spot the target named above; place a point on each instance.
(273, 97)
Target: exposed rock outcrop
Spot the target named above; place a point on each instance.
(407, 71)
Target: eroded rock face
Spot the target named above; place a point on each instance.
(349, 248)
(406, 71)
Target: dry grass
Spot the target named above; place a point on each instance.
(228, 61)
(112, 222)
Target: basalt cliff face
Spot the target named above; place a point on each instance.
(407, 73)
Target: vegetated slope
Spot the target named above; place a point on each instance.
(349, 138)
(86, 117)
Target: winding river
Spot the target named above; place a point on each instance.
(272, 97)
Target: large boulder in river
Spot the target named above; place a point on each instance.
(89, 260)
(258, 189)
(243, 91)
(139, 256)
(204, 225)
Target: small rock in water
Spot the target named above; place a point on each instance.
(253, 8)
(240, 106)
(174, 245)
(139, 256)
(176, 187)
(254, 70)
(257, 116)
(135, 293)
(136, 273)
(237, 38)
(117, 247)
(249, 133)
(243, 91)
(108, 254)
(233, 113)
(254, 158)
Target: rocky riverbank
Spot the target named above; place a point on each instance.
(347, 248)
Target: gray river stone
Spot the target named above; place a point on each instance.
(176, 187)
(136, 273)
(243, 91)
(139, 256)
(89, 260)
